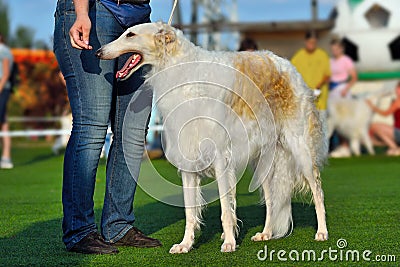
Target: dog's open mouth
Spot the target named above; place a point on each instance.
(130, 64)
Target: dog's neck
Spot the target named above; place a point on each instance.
(183, 51)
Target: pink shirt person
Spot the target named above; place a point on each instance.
(343, 73)
(340, 68)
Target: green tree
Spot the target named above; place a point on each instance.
(41, 44)
(4, 20)
(23, 37)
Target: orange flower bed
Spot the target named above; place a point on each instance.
(34, 56)
(40, 91)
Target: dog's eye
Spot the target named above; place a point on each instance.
(130, 34)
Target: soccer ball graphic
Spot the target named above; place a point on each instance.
(371, 33)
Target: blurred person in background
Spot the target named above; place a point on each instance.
(343, 71)
(383, 134)
(312, 63)
(248, 44)
(6, 62)
(344, 76)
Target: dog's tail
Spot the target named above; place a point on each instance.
(278, 192)
(317, 138)
(281, 216)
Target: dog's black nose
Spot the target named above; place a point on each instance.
(99, 53)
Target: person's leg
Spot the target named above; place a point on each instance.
(89, 84)
(129, 121)
(396, 134)
(6, 153)
(126, 152)
(130, 118)
(385, 133)
(6, 142)
(376, 141)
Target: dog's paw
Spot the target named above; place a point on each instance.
(179, 248)
(321, 236)
(228, 247)
(262, 237)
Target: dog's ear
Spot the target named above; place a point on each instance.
(166, 38)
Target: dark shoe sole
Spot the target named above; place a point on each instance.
(103, 252)
(135, 238)
(137, 245)
(93, 243)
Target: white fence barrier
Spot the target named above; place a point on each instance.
(49, 132)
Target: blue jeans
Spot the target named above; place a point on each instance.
(96, 99)
(4, 97)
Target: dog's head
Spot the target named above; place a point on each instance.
(150, 43)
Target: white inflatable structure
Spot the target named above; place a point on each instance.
(371, 32)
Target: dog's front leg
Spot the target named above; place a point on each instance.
(193, 205)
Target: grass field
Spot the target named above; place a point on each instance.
(362, 202)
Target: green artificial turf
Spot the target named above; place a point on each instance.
(361, 196)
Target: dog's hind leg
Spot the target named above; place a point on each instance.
(306, 167)
(318, 197)
(193, 207)
(355, 146)
(366, 140)
(226, 180)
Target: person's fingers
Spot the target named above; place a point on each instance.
(75, 37)
(74, 45)
(79, 36)
(85, 37)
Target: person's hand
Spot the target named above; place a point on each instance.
(79, 32)
(369, 103)
(317, 92)
(344, 92)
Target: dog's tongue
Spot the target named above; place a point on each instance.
(129, 65)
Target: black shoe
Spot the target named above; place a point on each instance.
(135, 238)
(93, 243)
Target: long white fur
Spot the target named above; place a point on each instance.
(299, 139)
(352, 118)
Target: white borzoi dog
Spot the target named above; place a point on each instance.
(351, 119)
(293, 128)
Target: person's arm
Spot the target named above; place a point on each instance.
(327, 71)
(324, 80)
(393, 107)
(80, 30)
(6, 73)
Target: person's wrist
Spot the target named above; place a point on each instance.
(82, 8)
(82, 16)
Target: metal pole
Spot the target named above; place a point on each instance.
(314, 10)
(178, 15)
(193, 21)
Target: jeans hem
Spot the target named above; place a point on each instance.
(121, 234)
(76, 240)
